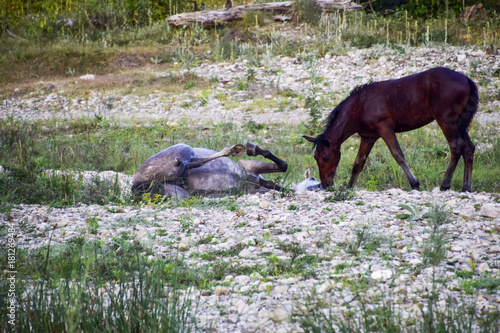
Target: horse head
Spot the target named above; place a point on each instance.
(327, 156)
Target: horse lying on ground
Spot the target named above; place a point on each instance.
(381, 109)
(181, 171)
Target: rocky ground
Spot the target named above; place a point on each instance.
(324, 230)
(273, 94)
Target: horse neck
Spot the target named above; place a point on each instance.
(342, 127)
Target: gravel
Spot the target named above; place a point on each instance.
(246, 303)
(338, 73)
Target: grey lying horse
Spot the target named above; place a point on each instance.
(181, 171)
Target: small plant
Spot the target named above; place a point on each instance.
(437, 216)
(372, 184)
(363, 238)
(312, 101)
(342, 193)
(206, 240)
(412, 215)
(93, 224)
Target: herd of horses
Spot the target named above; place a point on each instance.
(374, 110)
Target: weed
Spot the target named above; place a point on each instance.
(341, 193)
(414, 213)
(93, 224)
(363, 238)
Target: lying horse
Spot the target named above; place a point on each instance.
(181, 171)
(381, 109)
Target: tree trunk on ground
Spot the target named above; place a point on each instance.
(211, 18)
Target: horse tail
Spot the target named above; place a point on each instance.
(465, 117)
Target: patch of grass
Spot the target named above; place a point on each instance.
(376, 316)
(72, 285)
(27, 149)
(363, 239)
(93, 224)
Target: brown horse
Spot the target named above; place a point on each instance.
(381, 109)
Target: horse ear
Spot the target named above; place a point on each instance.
(309, 138)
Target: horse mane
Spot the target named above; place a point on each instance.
(335, 112)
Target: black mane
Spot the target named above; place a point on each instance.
(335, 112)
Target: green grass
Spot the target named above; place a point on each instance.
(27, 149)
(86, 286)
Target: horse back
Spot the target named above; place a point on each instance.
(413, 101)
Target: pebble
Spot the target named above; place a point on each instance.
(490, 210)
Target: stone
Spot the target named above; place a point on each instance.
(264, 204)
(483, 267)
(88, 77)
(246, 253)
(495, 249)
(220, 291)
(241, 307)
(382, 275)
(280, 314)
(266, 286)
(241, 279)
(490, 210)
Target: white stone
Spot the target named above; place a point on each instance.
(241, 307)
(280, 314)
(490, 210)
(88, 77)
(382, 275)
(264, 204)
(483, 267)
(241, 279)
(246, 253)
(382, 60)
(266, 286)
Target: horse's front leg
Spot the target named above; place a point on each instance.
(391, 141)
(236, 150)
(365, 147)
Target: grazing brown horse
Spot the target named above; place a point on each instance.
(381, 109)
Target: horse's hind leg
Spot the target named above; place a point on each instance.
(254, 150)
(259, 167)
(468, 154)
(392, 142)
(457, 147)
(255, 179)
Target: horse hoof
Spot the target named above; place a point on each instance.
(237, 150)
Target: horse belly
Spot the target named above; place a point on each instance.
(412, 120)
(217, 177)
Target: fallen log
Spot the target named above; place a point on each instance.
(211, 18)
